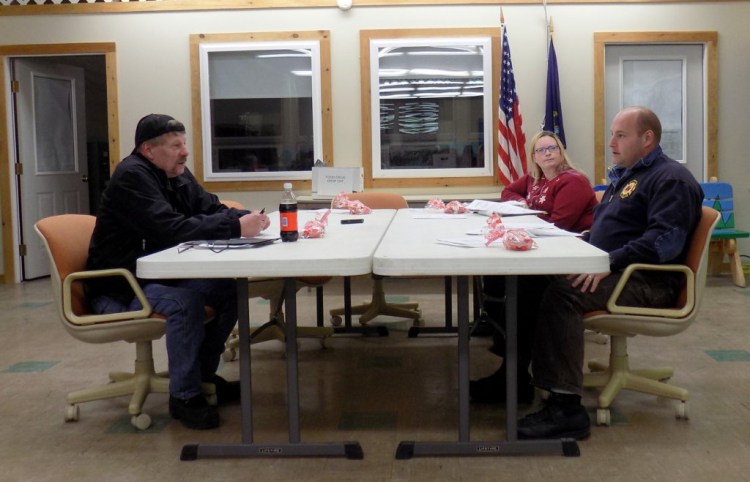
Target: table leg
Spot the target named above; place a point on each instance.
(448, 328)
(295, 448)
(510, 446)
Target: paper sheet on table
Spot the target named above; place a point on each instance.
(435, 215)
(464, 241)
(549, 231)
(506, 208)
(534, 225)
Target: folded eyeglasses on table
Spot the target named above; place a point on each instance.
(219, 245)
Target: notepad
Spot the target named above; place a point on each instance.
(218, 245)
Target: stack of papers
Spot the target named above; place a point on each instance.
(507, 208)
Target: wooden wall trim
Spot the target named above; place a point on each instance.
(188, 5)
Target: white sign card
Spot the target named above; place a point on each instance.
(327, 182)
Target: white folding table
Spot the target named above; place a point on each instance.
(410, 248)
(345, 250)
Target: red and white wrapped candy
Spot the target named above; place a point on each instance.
(494, 229)
(494, 220)
(316, 228)
(435, 203)
(455, 207)
(341, 201)
(357, 207)
(518, 240)
(494, 233)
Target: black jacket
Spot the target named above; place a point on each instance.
(142, 212)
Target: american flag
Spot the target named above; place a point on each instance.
(511, 141)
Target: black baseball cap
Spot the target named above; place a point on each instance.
(155, 125)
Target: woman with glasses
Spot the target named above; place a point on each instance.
(567, 199)
(554, 186)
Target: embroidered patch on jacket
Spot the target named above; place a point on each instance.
(628, 189)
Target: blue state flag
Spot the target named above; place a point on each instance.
(553, 117)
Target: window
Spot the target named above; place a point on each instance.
(263, 117)
(429, 107)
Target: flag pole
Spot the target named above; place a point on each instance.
(550, 28)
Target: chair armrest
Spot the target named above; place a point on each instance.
(93, 319)
(681, 312)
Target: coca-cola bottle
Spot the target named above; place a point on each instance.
(288, 214)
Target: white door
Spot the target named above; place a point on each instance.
(51, 136)
(669, 80)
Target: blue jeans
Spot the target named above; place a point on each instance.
(193, 347)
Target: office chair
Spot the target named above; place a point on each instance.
(272, 289)
(378, 305)
(66, 238)
(622, 322)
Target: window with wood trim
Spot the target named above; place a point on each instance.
(261, 108)
(428, 107)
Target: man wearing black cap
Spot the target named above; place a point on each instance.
(153, 202)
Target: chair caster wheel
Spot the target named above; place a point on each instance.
(142, 421)
(71, 413)
(337, 321)
(682, 411)
(230, 354)
(603, 416)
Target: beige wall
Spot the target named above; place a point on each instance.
(154, 69)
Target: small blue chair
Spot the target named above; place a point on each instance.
(720, 196)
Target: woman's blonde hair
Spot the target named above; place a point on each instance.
(535, 170)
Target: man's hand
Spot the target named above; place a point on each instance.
(252, 224)
(587, 282)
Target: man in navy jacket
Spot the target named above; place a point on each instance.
(647, 214)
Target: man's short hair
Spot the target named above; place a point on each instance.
(647, 120)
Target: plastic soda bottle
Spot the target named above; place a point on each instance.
(288, 214)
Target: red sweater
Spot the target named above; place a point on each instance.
(567, 200)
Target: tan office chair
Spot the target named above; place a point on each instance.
(272, 289)
(622, 322)
(378, 305)
(66, 238)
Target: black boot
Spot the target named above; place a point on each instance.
(194, 412)
(563, 416)
(226, 392)
(491, 389)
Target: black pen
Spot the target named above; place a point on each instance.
(263, 211)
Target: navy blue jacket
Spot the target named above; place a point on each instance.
(647, 213)
(142, 212)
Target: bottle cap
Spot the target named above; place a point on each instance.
(287, 185)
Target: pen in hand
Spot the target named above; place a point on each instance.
(263, 211)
